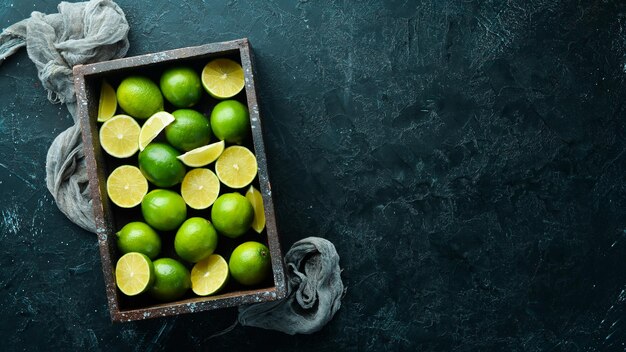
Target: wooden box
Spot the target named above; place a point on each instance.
(110, 218)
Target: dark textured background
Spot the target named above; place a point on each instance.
(465, 157)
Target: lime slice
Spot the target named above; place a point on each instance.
(209, 275)
(126, 186)
(236, 167)
(153, 126)
(223, 78)
(119, 136)
(255, 198)
(203, 156)
(108, 102)
(134, 273)
(200, 188)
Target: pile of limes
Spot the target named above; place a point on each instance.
(184, 160)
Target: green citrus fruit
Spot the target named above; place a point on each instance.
(232, 214)
(195, 240)
(223, 78)
(181, 86)
(230, 121)
(139, 97)
(163, 209)
(126, 186)
(171, 280)
(250, 263)
(158, 162)
(119, 136)
(134, 273)
(236, 167)
(189, 130)
(209, 275)
(200, 188)
(139, 237)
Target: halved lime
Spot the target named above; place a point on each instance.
(209, 275)
(236, 167)
(119, 136)
(126, 186)
(223, 78)
(200, 188)
(134, 273)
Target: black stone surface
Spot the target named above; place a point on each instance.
(465, 157)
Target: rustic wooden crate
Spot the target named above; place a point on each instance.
(110, 218)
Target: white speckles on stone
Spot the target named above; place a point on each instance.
(11, 221)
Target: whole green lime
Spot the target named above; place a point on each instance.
(232, 214)
(190, 130)
(139, 237)
(158, 163)
(181, 86)
(163, 209)
(171, 280)
(195, 240)
(230, 121)
(139, 97)
(250, 263)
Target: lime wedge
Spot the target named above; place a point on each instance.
(203, 156)
(153, 126)
(108, 102)
(256, 199)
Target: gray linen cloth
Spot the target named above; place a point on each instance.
(80, 33)
(97, 30)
